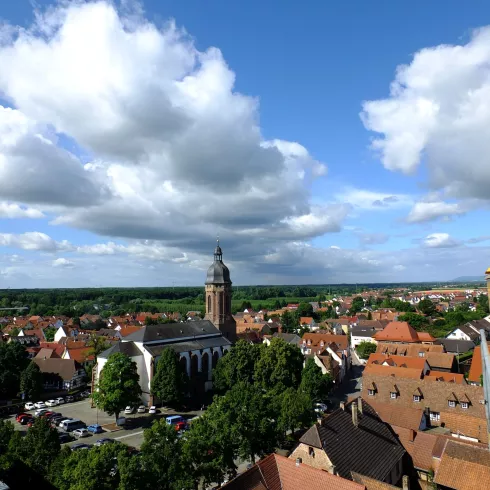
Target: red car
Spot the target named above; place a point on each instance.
(180, 426)
(30, 423)
(26, 419)
(20, 415)
(45, 414)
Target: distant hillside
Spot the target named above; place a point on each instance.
(468, 279)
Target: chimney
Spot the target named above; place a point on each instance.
(354, 414)
(334, 470)
(405, 483)
(411, 435)
(342, 405)
(298, 461)
(359, 401)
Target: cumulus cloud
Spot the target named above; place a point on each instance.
(63, 263)
(429, 211)
(438, 112)
(14, 211)
(33, 240)
(365, 199)
(440, 240)
(175, 153)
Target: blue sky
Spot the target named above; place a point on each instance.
(327, 142)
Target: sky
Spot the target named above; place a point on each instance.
(323, 142)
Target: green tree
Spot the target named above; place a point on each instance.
(237, 365)
(279, 366)
(6, 432)
(13, 360)
(162, 464)
(296, 411)
(49, 333)
(365, 349)
(151, 321)
(313, 383)
(289, 322)
(357, 305)
(31, 381)
(40, 447)
(418, 322)
(97, 344)
(304, 309)
(170, 382)
(118, 385)
(427, 307)
(483, 303)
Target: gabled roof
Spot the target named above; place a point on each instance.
(316, 338)
(456, 345)
(464, 467)
(65, 368)
(127, 348)
(408, 418)
(279, 473)
(371, 483)
(370, 448)
(401, 332)
(399, 372)
(476, 367)
(447, 377)
(169, 331)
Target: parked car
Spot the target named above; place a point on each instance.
(20, 415)
(181, 426)
(79, 433)
(95, 429)
(40, 405)
(26, 419)
(153, 410)
(105, 440)
(60, 400)
(30, 423)
(76, 447)
(64, 437)
(69, 399)
(52, 415)
(128, 410)
(141, 409)
(51, 403)
(45, 414)
(41, 411)
(65, 419)
(174, 419)
(85, 393)
(29, 406)
(74, 424)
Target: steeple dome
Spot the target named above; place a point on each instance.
(218, 273)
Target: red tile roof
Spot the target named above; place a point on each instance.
(397, 361)
(279, 473)
(316, 338)
(447, 377)
(401, 332)
(399, 372)
(476, 366)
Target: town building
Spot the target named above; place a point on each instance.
(402, 332)
(199, 343)
(60, 374)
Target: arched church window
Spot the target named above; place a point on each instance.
(221, 303)
(209, 304)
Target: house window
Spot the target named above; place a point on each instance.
(209, 304)
(371, 392)
(436, 416)
(311, 452)
(416, 398)
(393, 395)
(421, 354)
(309, 351)
(451, 403)
(464, 405)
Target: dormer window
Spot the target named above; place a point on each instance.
(421, 354)
(451, 403)
(371, 392)
(393, 395)
(416, 398)
(321, 344)
(464, 405)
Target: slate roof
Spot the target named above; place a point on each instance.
(276, 472)
(464, 467)
(371, 448)
(367, 332)
(169, 331)
(290, 338)
(456, 345)
(189, 345)
(470, 332)
(127, 348)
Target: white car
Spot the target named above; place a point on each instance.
(60, 400)
(141, 409)
(153, 409)
(29, 406)
(78, 433)
(39, 412)
(51, 403)
(129, 410)
(40, 405)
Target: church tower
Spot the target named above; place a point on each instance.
(218, 296)
(487, 278)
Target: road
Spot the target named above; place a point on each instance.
(350, 387)
(132, 436)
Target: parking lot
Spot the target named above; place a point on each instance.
(131, 435)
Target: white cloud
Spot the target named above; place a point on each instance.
(440, 240)
(63, 263)
(429, 211)
(14, 211)
(365, 199)
(438, 112)
(176, 154)
(33, 240)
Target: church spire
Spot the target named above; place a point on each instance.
(218, 254)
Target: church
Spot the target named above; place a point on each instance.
(199, 344)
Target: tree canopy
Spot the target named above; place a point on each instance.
(365, 349)
(118, 385)
(170, 382)
(314, 383)
(31, 381)
(13, 360)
